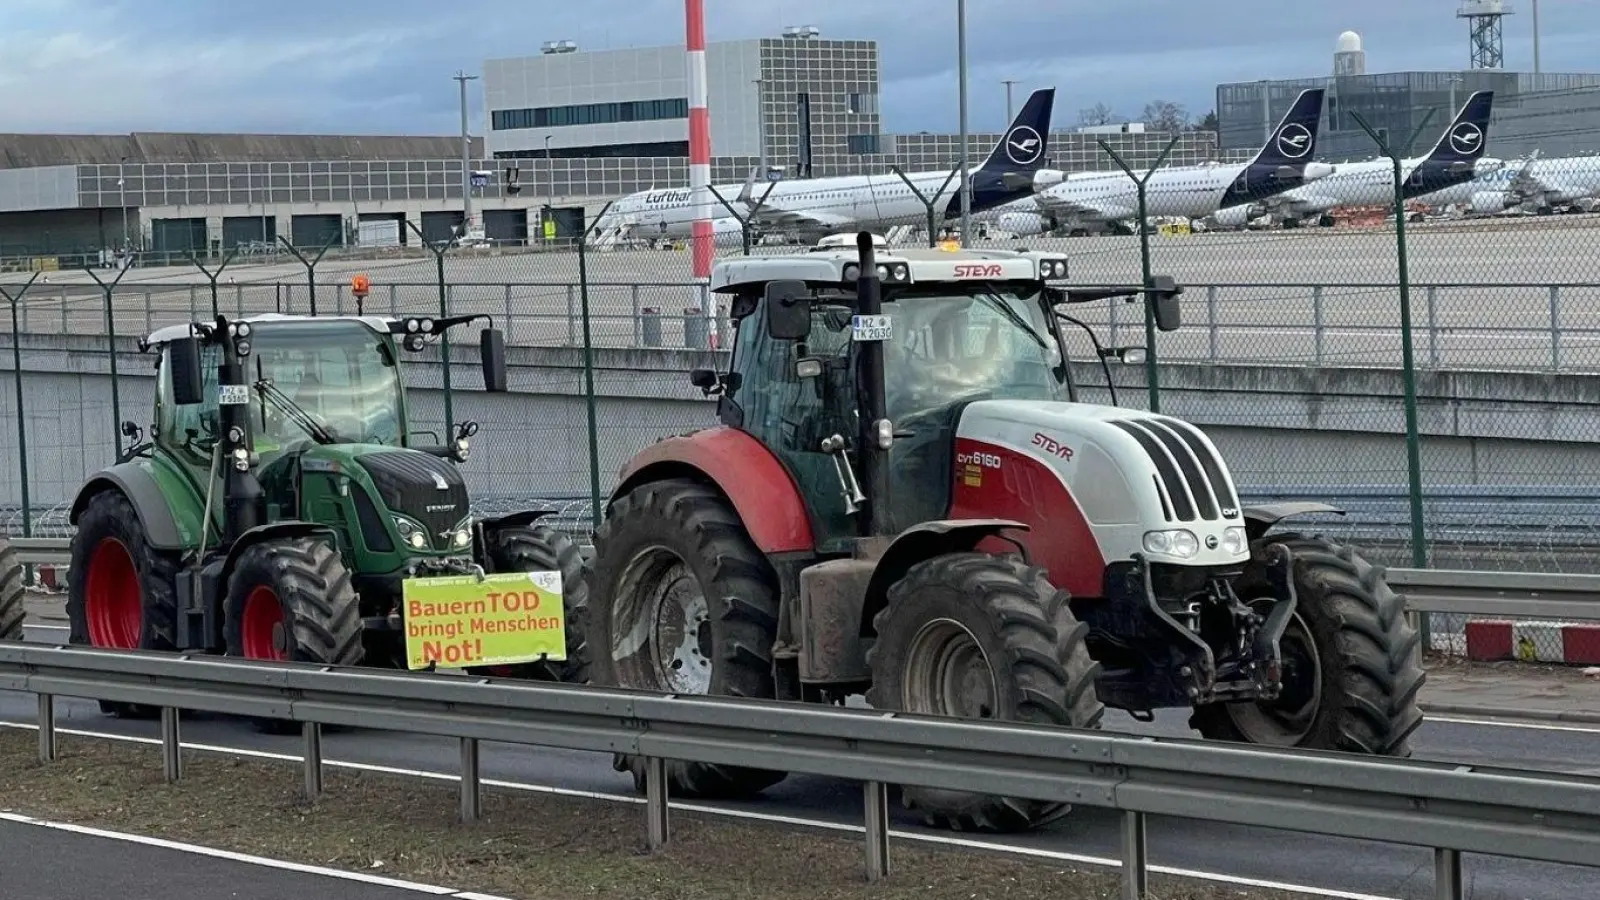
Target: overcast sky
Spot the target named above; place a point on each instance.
(384, 66)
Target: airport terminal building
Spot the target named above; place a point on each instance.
(1555, 113)
(567, 129)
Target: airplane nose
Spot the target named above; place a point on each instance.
(1316, 170)
(1046, 178)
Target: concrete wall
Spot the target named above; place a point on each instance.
(1280, 428)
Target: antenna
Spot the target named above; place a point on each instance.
(1485, 37)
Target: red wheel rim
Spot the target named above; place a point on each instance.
(112, 600)
(261, 630)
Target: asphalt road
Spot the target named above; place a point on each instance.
(43, 863)
(1379, 870)
(1301, 296)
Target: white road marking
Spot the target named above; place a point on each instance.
(771, 818)
(1516, 723)
(263, 861)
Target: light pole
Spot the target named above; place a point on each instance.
(761, 125)
(122, 201)
(961, 78)
(1008, 83)
(466, 155)
(549, 181)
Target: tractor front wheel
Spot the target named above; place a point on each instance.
(11, 593)
(121, 592)
(292, 600)
(689, 605)
(1352, 663)
(979, 636)
(540, 548)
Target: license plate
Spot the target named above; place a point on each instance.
(871, 328)
(233, 394)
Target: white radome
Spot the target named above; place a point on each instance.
(1349, 42)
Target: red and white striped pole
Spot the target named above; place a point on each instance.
(701, 244)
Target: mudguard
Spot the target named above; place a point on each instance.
(273, 531)
(136, 482)
(1257, 519)
(921, 542)
(761, 490)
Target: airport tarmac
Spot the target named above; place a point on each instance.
(1483, 294)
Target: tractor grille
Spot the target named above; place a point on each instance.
(408, 483)
(1189, 476)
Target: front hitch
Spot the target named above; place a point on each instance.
(1267, 665)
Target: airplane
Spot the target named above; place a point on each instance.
(1107, 200)
(1537, 185)
(815, 207)
(1456, 159)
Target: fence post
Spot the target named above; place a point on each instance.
(1152, 375)
(1211, 317)
(592, 411)
(1555, 328)
(22, 417)
(106, 290)
(1433, 325)
(1317, 326)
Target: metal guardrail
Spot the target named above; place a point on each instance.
(1449, 808)
(1453, 591)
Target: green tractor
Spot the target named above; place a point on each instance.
(281, 505)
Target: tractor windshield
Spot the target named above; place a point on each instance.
(340, 375)
(978, 344)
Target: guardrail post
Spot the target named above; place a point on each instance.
(311, 733)
(1447, 875)
(171, 746)
(877, 797)
(655, 802)
(471, 797)
(47, 728)
(1135, 857)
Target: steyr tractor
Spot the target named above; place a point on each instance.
(905, 499)
(281, 501)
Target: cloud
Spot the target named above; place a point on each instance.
(369, 67)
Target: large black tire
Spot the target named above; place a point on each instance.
(1363, 698)
(683, 534)
(1030, 643)
(12, 593)
(121, 592)
(292, 599)
(541, 548)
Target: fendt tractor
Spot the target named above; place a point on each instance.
(287, 436)
(906, 499)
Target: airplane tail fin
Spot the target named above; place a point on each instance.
(1294, 141)
(1024, 148)
(1468, 136)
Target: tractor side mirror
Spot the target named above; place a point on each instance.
(788, 310)
(188, 383)
(492, 347)
(1163, 299)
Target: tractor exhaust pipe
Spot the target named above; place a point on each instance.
(243, 500)
(876, 434)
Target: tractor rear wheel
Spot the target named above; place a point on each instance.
(12, 593)
(292, 600)
(979, 636)
(1352, 662)
(121, 592)
(540, 548)
(688, 604)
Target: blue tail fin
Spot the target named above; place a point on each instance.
(1468, 136)
(1024, 148)
(1294, 141)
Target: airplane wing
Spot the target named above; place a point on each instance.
(761, 209)
(1065, 208)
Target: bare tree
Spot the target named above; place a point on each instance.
(1099, 114)
(1164, 115)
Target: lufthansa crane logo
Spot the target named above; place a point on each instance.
(1466, 139)
(1024, 146)
(1294, 140)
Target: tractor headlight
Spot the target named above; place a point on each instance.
(1178, 542)
(900, 272)
(461, 450)
(1234, 540)
(241, 459)
(410, 533)
(461, 538)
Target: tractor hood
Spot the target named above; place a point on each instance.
(1125, 469)
(420, 486)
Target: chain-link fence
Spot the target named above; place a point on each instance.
(1301, 309)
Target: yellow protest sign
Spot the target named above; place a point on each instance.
(456, 620)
